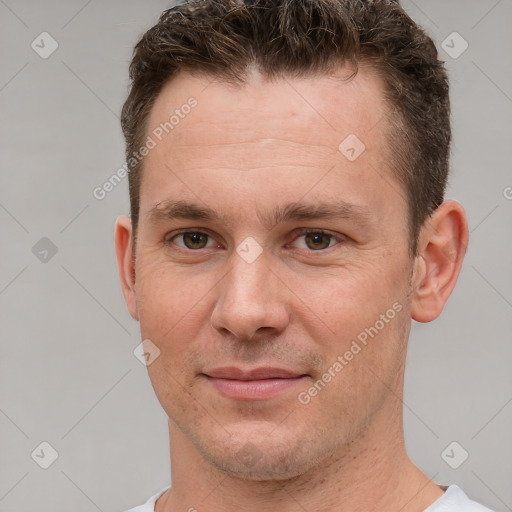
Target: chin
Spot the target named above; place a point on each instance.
(255, 455)
(267, 467)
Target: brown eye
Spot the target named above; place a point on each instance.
(194, 240)
(317, 240)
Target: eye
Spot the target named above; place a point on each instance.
(314, 240)
(317, 240)
(192, 240)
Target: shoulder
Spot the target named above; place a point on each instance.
(455, 500)
(149, 506)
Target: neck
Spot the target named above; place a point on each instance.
(372, 473)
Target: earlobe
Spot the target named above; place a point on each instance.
(126, 263)
(443, 243)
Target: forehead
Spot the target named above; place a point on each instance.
(292, 129)
(317, 111)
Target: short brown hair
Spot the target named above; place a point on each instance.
(287, 38)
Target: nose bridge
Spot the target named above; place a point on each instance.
(250, 296)
(249, 279)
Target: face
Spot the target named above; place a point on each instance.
(288, 249)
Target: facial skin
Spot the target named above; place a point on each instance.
(246, 152)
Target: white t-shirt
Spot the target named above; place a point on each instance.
(453, 500)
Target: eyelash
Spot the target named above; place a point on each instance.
(301, 232)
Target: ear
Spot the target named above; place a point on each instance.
(126, 262)
(442, 246)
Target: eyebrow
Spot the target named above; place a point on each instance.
(295, 211)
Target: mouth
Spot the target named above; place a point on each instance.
(257, 384)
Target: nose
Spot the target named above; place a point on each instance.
(252, 298)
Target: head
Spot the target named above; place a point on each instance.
(288, 162)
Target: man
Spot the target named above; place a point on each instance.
(288, 161)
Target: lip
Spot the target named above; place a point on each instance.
(264, 372)
(257, 384)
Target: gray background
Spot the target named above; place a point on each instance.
(68, 375)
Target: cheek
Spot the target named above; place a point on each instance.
(364, 310)
(164, 293)
(361, 361)
(168, 307)
(352, 298)
(172, 304)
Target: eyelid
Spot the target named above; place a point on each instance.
(168, 239)
(305, 231)
(302, 231)
(186, 230)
